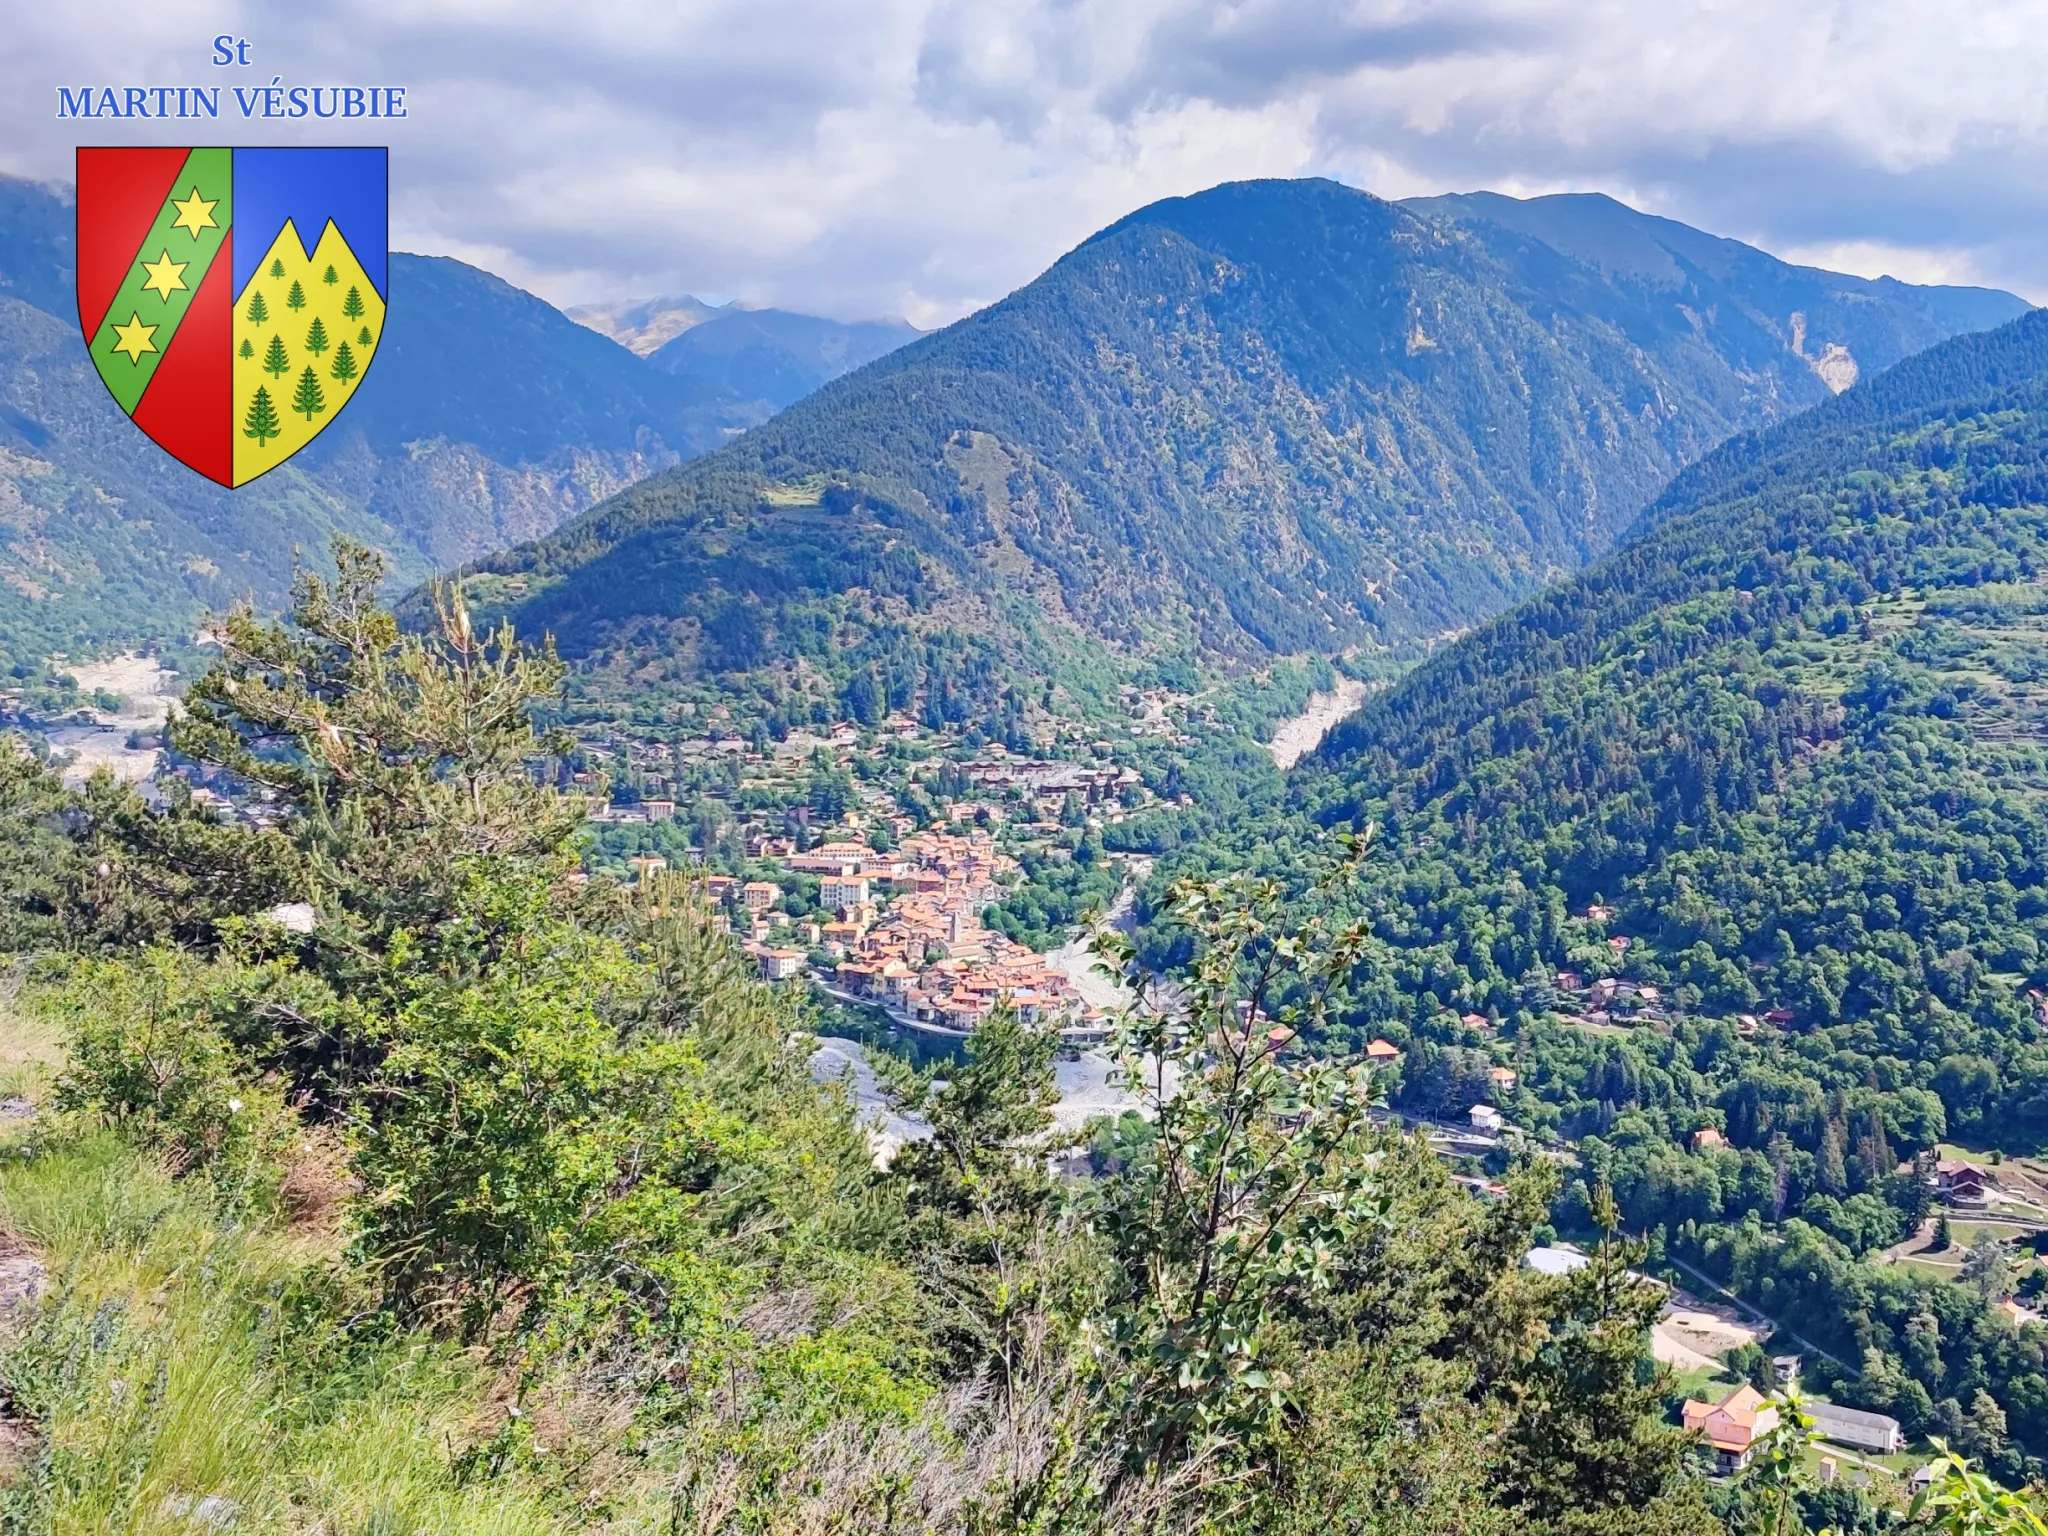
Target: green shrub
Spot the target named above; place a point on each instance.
(148, 1056)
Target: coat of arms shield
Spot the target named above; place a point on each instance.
(232, 299)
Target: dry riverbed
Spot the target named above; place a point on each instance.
(1303, 733)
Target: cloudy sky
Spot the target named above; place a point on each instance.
(922, 157)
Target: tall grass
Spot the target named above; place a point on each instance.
(31, 1043)
(182, 1370)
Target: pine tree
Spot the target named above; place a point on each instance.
(1586, 1441)
(1985, 1431)
(308, 400)
(248, 348)
(316, 337)
(261, 423)
(352, 305)
(259, 312)
(363, 336)
(277, 268)
(1832, 1172)
(330, 277)
(276, 361)
(344, 367)
(296, 299)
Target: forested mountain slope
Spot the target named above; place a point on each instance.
(488, 417)
(1273, 417)
(1739, 843)
(1677, 288)
(1794, 736)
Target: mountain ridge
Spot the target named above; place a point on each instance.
(776, 356)
(1272, 417)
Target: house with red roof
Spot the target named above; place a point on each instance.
(1732, 1427)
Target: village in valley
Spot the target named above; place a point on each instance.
(870, 863)
(902, 931)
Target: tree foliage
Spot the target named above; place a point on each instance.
(583, 1137)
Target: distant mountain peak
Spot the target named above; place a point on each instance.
(644, 326)
(776, 356)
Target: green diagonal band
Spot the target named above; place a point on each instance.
(169, 266)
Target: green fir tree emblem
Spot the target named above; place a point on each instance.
(316, 337)
(259, 312)
(363, 336)
(261, 423)
(247, 348)
(277, 268)
(276, 362)
(352, 304)
(330, 277)
(344, 367)
(296, 299)
(308, 399)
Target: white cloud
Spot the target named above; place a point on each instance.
(925, 156)
(1875, 258)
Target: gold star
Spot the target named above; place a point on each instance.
(195, 214)
(166, 276)
(135, 339)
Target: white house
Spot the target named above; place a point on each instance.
(1878, 1432)
(843, 892)
(781, 964)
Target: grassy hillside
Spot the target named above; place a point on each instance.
(498, 1200)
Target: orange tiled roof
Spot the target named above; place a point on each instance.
(1734, 1423)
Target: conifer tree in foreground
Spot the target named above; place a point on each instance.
(247, 348)
(261, 422)
(275, 360)
(307, 399)
(352, 303)
(330, 277)
(296, 299)
(316, 337)
(259, 312)
(344, 367)
(276, 267)
(414, 752)
(363, 336)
